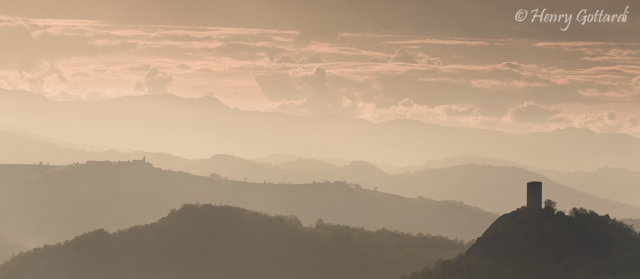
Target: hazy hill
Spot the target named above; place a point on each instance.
(608, 147)
(205, 241)
(10, 248)
(19, 149)
(497, 185)
(237, 168)
(200, 128)
(492, 188)
(616, 184)
(611, 183)
(297, 171)
(546, 244)
(306, 166)
(50, 204)
(459, 160)
(16, 148)
(475, 185)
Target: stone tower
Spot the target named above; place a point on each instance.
(534, 195)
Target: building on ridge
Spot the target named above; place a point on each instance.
(534, 195)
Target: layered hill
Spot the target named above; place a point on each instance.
(47, 204)
(206, 241)
(200, 128)
(494, 186)
(460, 160)
(612, 183)
(547, 244)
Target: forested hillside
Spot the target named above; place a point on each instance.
(206, 241)
(530, 244)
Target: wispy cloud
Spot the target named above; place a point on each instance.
(443, 42)
(376, 76)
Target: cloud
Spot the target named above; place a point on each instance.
(285, 59)
(483, 79)
(278, 86)
(379, 59)
(492, 108)
(442, 42)
(303, 93)
(319, 32)
(245, 51)
(64, 96)
(407, 56)
(293, 85)
(323, 20)
(530, 112)
(24, 48)
(608, 122)
(494, 83)
(47, 79)
(154, 82)
(312, 59)
(94, 96)
(403, 55)
(320, 99)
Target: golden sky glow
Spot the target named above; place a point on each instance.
(497, 74)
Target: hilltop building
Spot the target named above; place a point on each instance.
(141, 162)
(534, 195)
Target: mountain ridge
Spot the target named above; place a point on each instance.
(199, 131)
(109, 195)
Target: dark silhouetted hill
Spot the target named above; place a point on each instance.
(547, 244)
(10, 248)
(205, 241)
(47, 204)
(633, 222)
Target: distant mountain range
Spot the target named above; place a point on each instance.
(46, 204)
(492, 184)
(200, 128)
(206, 241)
(488, 185)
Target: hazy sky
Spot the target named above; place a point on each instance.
(460, 63)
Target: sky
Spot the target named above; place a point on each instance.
(456, 63)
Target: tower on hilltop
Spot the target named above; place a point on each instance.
(534, 195)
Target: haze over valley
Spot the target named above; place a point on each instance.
(286, 139)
